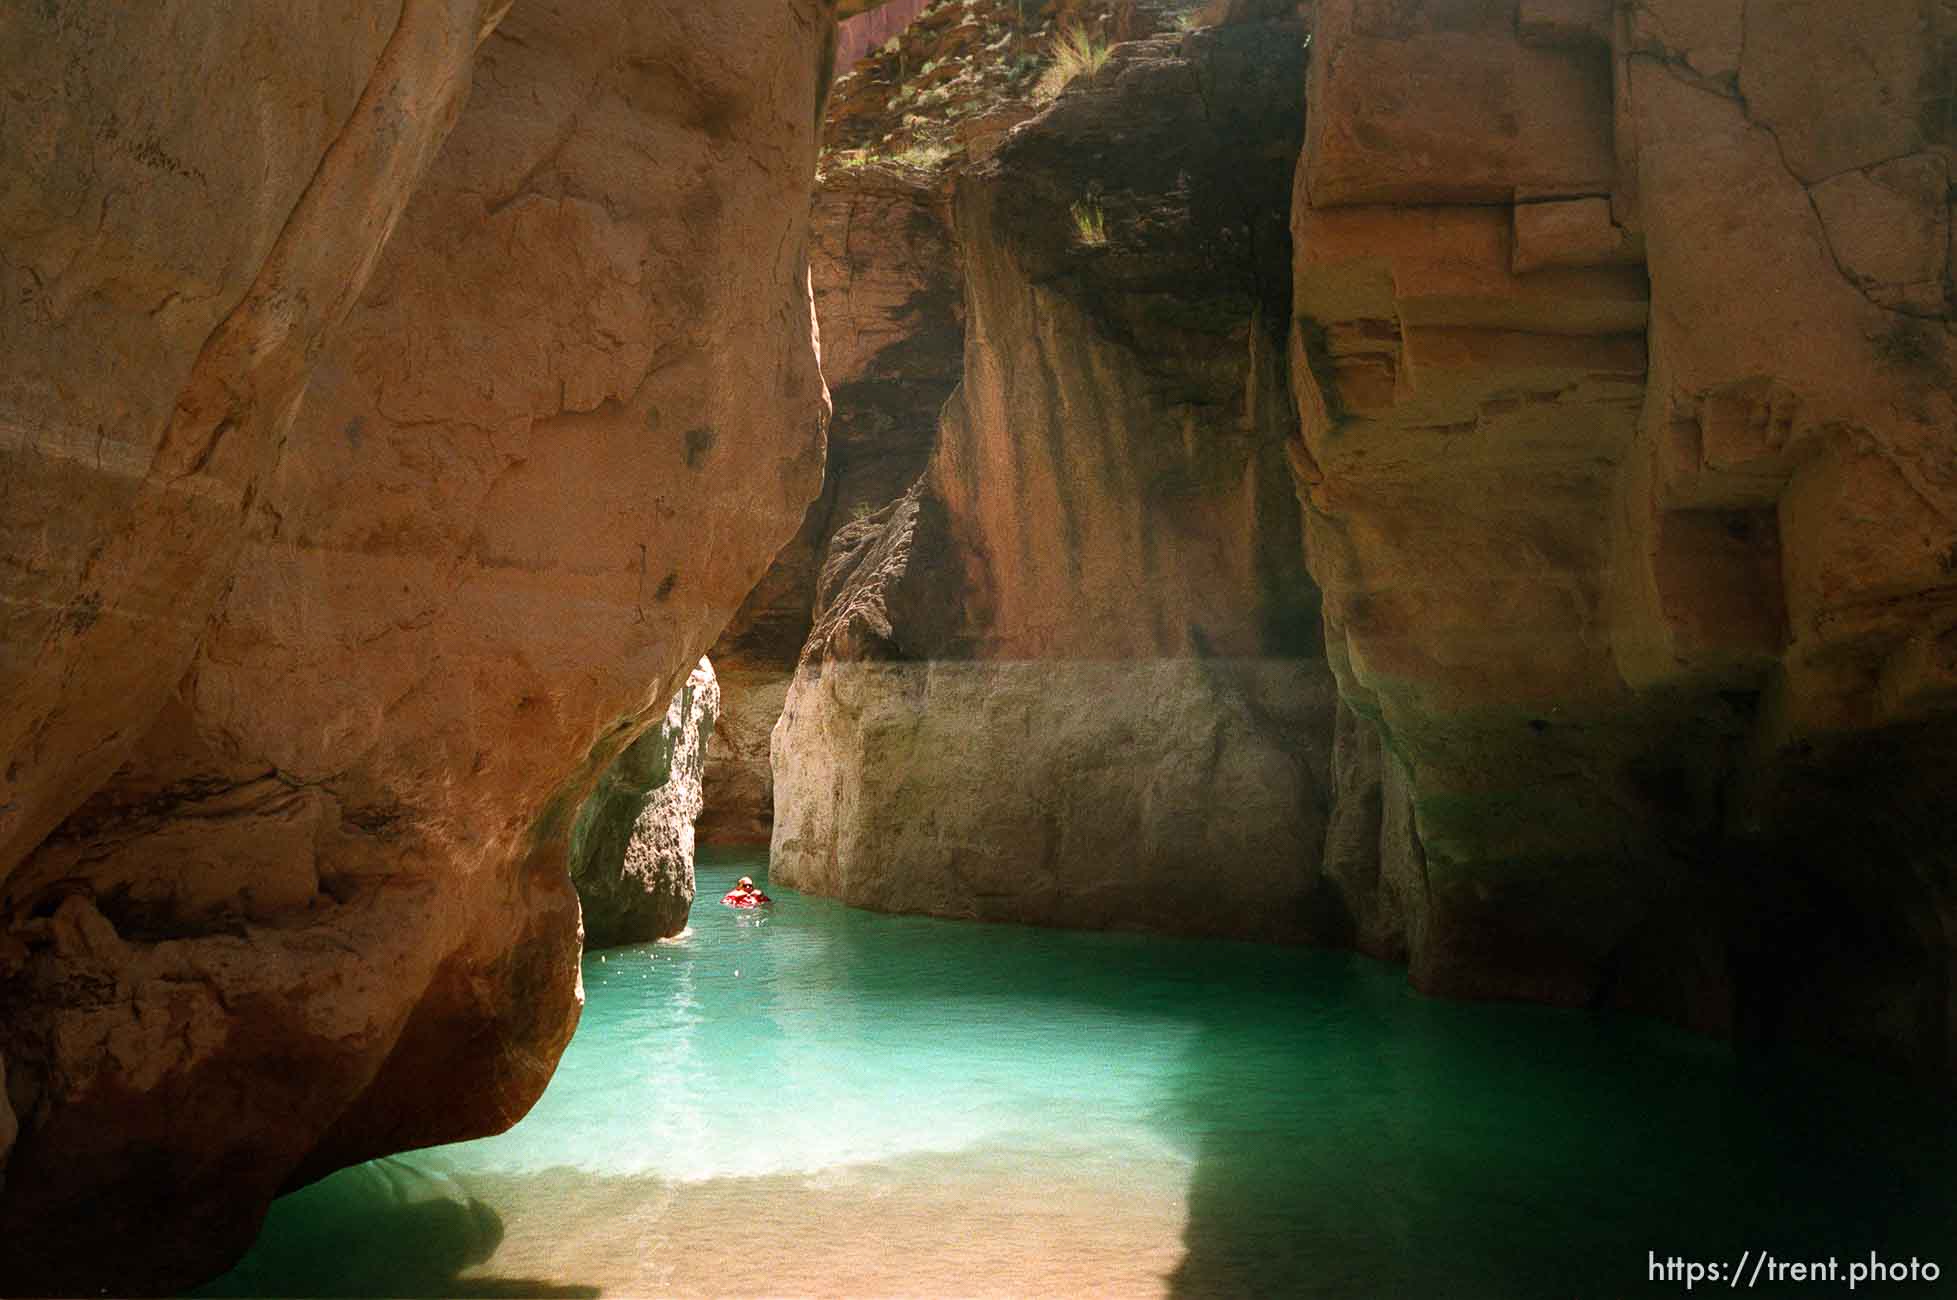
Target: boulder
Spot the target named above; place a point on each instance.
(632, 843)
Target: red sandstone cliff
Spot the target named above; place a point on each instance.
(356, 610)
(1621, 341)
(1625, 360)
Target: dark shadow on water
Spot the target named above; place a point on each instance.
(383, 1228)
(1412, 1147)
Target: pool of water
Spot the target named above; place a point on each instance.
(817, 1100)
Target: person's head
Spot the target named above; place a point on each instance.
(746, 883)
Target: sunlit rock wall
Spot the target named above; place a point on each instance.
(632, 843)
(884, 270)
(177, 247)
(321, 912)
(1075, 676)
(1624, 359)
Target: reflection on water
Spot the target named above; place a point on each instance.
(814, 1100)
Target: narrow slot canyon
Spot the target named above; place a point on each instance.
(1191, 648)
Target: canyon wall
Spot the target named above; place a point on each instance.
(859, 35)
(888, 285)
(174, 262)
(397, 403)
(321, 911)
(1620, 341)
(1075, 675)
(884, 270)
(1623, 351)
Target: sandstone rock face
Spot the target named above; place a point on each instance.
(1113, 459)
(885, 274)
(888, 297)
(1624, 359)
(322, 912)
(632, 844)
(859, 35)
(738, 794)
(176, 251)
(1074, 676)
(1166, 792)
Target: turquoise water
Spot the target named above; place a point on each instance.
(817, 1100)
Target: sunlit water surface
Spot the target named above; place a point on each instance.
(818, 1100)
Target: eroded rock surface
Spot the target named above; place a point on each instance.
(173, 263)
(885, 274)
(322, 912)
(632, 844)
(1075, 677)
(1625, 364)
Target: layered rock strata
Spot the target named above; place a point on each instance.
(885, 275)
(321, 912)
(632, 843)
(1624, 356)
(1075, 675)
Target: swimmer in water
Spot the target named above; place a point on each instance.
(745, 895)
